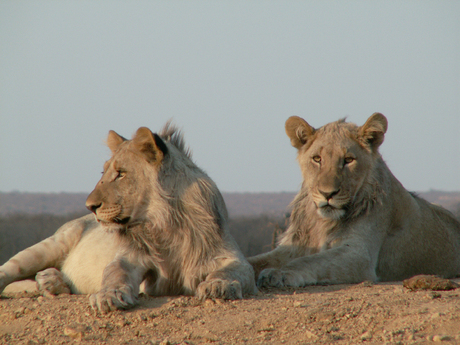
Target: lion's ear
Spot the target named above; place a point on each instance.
(114, 140)
(298, 130)
(150, 145)
(373, 131)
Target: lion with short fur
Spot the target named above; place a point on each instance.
(352, 219)
(158, 220)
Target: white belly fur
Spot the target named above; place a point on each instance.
(85, 263)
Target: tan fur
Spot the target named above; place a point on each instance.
(158, 219)
(352, 219)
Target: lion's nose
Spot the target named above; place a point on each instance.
(93, 206)
(94, 200)
(328, 195)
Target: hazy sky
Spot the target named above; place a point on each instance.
(229, 73)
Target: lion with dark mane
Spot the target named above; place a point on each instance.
(352, 219)
(158, 220)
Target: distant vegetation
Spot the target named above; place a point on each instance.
(20, 231)
(254, 234)
(238, 204)
(256, 219)
(42, 203)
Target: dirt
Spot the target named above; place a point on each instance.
(341, 314)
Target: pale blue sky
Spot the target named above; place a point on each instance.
(229, 73)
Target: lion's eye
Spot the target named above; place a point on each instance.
(317, 159)
(120, 175)
(348, 160)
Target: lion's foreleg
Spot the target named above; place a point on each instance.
(120, 286)
(50, 252)
(343, 264)
(276, 258)
(229, 282)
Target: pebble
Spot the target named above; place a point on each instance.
(120, 323)
(325, 316)
(299, 304)
(142, 317)
(310, 335)
(439, 338)
(366, 336)
(73, 333)
(436, 315)
(209, 303)
(367, 283)
(19, 312)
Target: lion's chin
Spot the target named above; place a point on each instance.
(330, 212)
(114, 225)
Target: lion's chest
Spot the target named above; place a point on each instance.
(330, 243)
(320, 238)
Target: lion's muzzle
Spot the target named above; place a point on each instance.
(330, 205)
(108, 214)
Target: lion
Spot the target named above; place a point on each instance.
(158, 219)
(352, 220)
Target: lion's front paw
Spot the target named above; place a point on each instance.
(273, 277)
(111, 299)
(219, 288)
(51, 281)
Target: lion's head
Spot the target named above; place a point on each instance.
(123, 193)
(152, 179)
(338, 162)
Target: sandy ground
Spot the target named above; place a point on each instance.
(341, 314)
